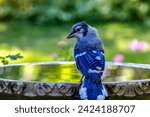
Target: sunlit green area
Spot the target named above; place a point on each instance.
(43, 43)
(37, 29)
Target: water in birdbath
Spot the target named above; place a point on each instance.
(67, 72)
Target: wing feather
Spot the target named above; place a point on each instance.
(91, 64)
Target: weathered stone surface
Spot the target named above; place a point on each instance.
(16, 89)
(13, 89)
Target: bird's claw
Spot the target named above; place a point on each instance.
(80, 83)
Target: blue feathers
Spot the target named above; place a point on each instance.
(91, 64)
(90, 60)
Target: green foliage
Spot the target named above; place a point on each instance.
(42, 43)
(5, 61)
(43, 11)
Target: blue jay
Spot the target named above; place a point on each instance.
(90, 60)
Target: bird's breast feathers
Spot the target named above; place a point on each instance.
(83, 45)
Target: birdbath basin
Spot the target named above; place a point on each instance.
(59, 80)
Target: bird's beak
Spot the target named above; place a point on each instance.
(71, 35)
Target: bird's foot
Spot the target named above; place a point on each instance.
(80, 83)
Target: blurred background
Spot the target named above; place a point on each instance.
(37, 29)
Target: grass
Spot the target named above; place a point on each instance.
(37, 42)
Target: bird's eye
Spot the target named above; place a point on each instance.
(78, 29)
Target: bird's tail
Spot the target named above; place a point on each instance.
(92, 90)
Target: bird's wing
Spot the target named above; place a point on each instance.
(91, 63)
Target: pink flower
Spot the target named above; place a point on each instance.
(118, 58)
(54, 55)
(137, 45)
(62, 43)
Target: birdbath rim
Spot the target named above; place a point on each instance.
(123, 64)
(16, 89)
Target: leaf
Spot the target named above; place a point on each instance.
(1, 57)
(4, 62)
(7, 56)
(19, 56)
(13, 57)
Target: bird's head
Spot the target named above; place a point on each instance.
(79, 30)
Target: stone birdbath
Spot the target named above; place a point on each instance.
(59, 80)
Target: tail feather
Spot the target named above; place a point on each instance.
(92, 91)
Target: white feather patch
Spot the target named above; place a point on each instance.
(94, 71)
(98, 58)
(102, 53)
(81, 54)
(100, 97)
(83, 93)
(99, 68)
(94, 51)
(105, 93)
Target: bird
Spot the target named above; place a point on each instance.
(89, 56)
